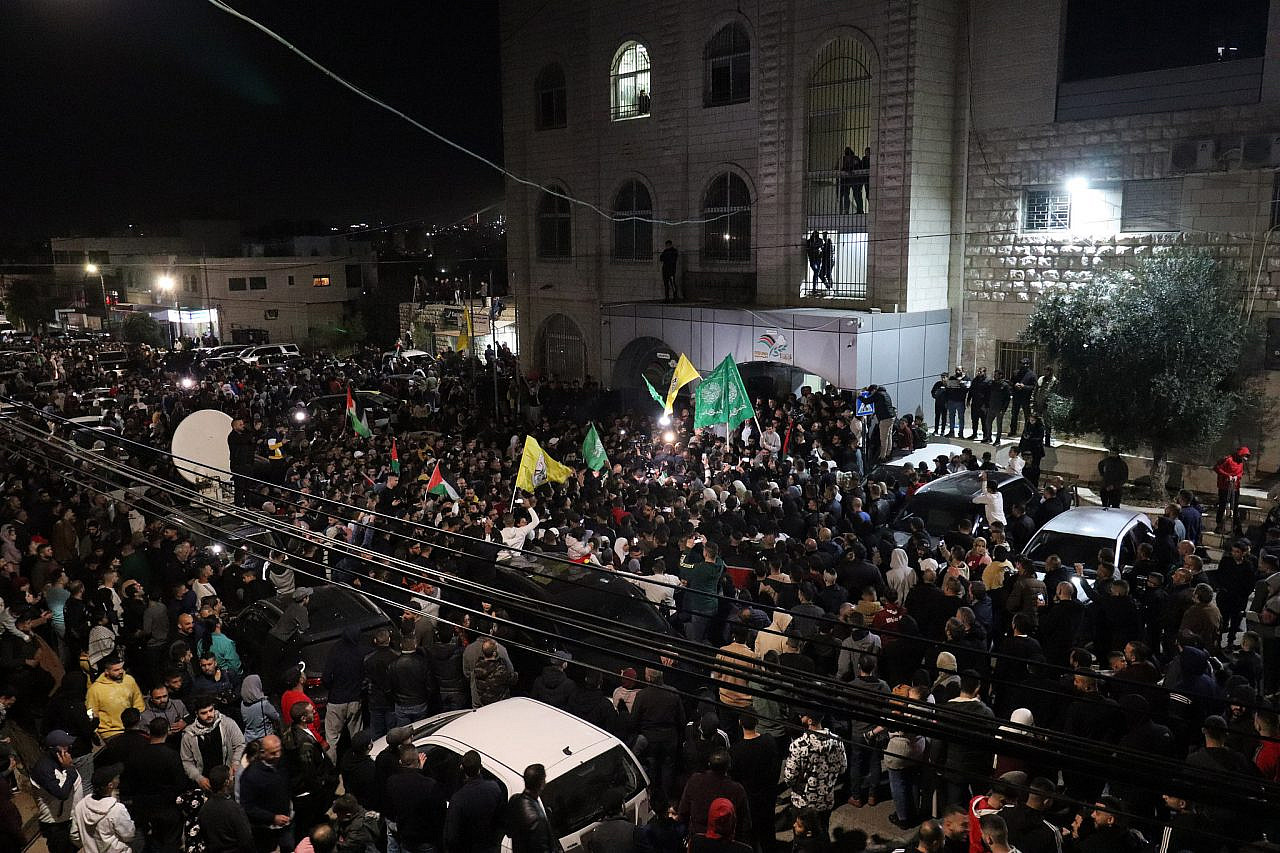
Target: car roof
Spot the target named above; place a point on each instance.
(1093, 521)
(965, 483)
(520, 731)
(926, 454)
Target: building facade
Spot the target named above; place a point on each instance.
(1001, 167)
(288, 291)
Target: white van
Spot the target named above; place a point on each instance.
(582, 760)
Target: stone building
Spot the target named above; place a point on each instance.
(1001, 165)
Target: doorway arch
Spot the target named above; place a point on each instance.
(644, 358)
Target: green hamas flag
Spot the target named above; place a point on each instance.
(721, 397)
(653, 392)
(593, 450)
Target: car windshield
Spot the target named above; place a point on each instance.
(574, 800)
(939, 511)
(1070, 547)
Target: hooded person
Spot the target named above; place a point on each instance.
(100, 822)
(344, 677)
(260, 717)
(900, 576)
(722, 823)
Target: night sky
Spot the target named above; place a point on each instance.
(149, 111)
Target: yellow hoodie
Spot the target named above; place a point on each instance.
(107, 699)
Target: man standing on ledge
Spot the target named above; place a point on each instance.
(670, 259)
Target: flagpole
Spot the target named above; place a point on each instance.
(512, 508)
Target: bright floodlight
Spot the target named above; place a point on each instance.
(188, 382)
(91, 268)
(665, 419)
(165, 282)
(1077, 184)
(668, 436)
(299, 416)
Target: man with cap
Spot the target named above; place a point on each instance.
(293, 623)
(101, 823)
(57, 790)
(358, 772)
(388, 762)
(1003, 793)
(1230, 471)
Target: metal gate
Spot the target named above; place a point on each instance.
(564, 353)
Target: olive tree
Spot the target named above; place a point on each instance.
(1157, 355)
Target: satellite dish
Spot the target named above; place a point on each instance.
(200, 447)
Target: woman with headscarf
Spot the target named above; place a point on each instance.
(260, 717)
(946, 686)
(1020, 718)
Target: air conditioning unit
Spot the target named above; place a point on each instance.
(1260, 151)
(1199, 155)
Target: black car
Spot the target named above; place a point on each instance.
(941, 503)
(332, 609)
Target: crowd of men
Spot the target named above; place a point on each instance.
(129, 707)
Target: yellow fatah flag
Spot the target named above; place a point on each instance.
(465, 336)
(536, 467)
(685, 373)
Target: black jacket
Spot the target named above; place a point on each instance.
(658, 715)
(344, 668)
(554, 687)
(411, 680)
(376, 666)
(416, 803)
(474, 821)
(225, 826)
(264, 793)
(528, 829)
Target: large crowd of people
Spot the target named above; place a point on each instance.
(137, 722)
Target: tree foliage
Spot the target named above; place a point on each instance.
(1158, 355)
(140, 328)
(27, 305)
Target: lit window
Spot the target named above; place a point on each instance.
(551, 111)
(258, 282)
(629, 83)
(728, 67)
(1046, 210)
(320, 281)
(632, 225)
(237, 284)
(555, 225)
(726, 234)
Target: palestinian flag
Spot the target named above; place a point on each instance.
(356, 415)
(395, 458)
(438, 485)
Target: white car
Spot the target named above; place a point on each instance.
(1077, 535)
(582, 760)
(252, 355)
(922, 456)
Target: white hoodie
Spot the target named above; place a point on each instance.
(102, 826)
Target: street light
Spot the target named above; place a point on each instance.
(91, 268)
(166, 283)
(1077, 184)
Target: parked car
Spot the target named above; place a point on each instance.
(892, 468)
(582, 760)
(331, 609)
(941, 503)
(1077, 535)
(251, 355)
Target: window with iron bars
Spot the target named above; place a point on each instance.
(1009, 356)
(1046, 210)
(629, 82)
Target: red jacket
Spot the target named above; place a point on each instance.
(1227, 468)
(1268, 760)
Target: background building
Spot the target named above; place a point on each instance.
(290, 289)
(1016, 146)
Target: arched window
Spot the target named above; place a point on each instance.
(564, 354)
(632, 225)
(555, 225)
(726, 236)
(728, 67)
(838, 166)
(550, 105)
(629, 82)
